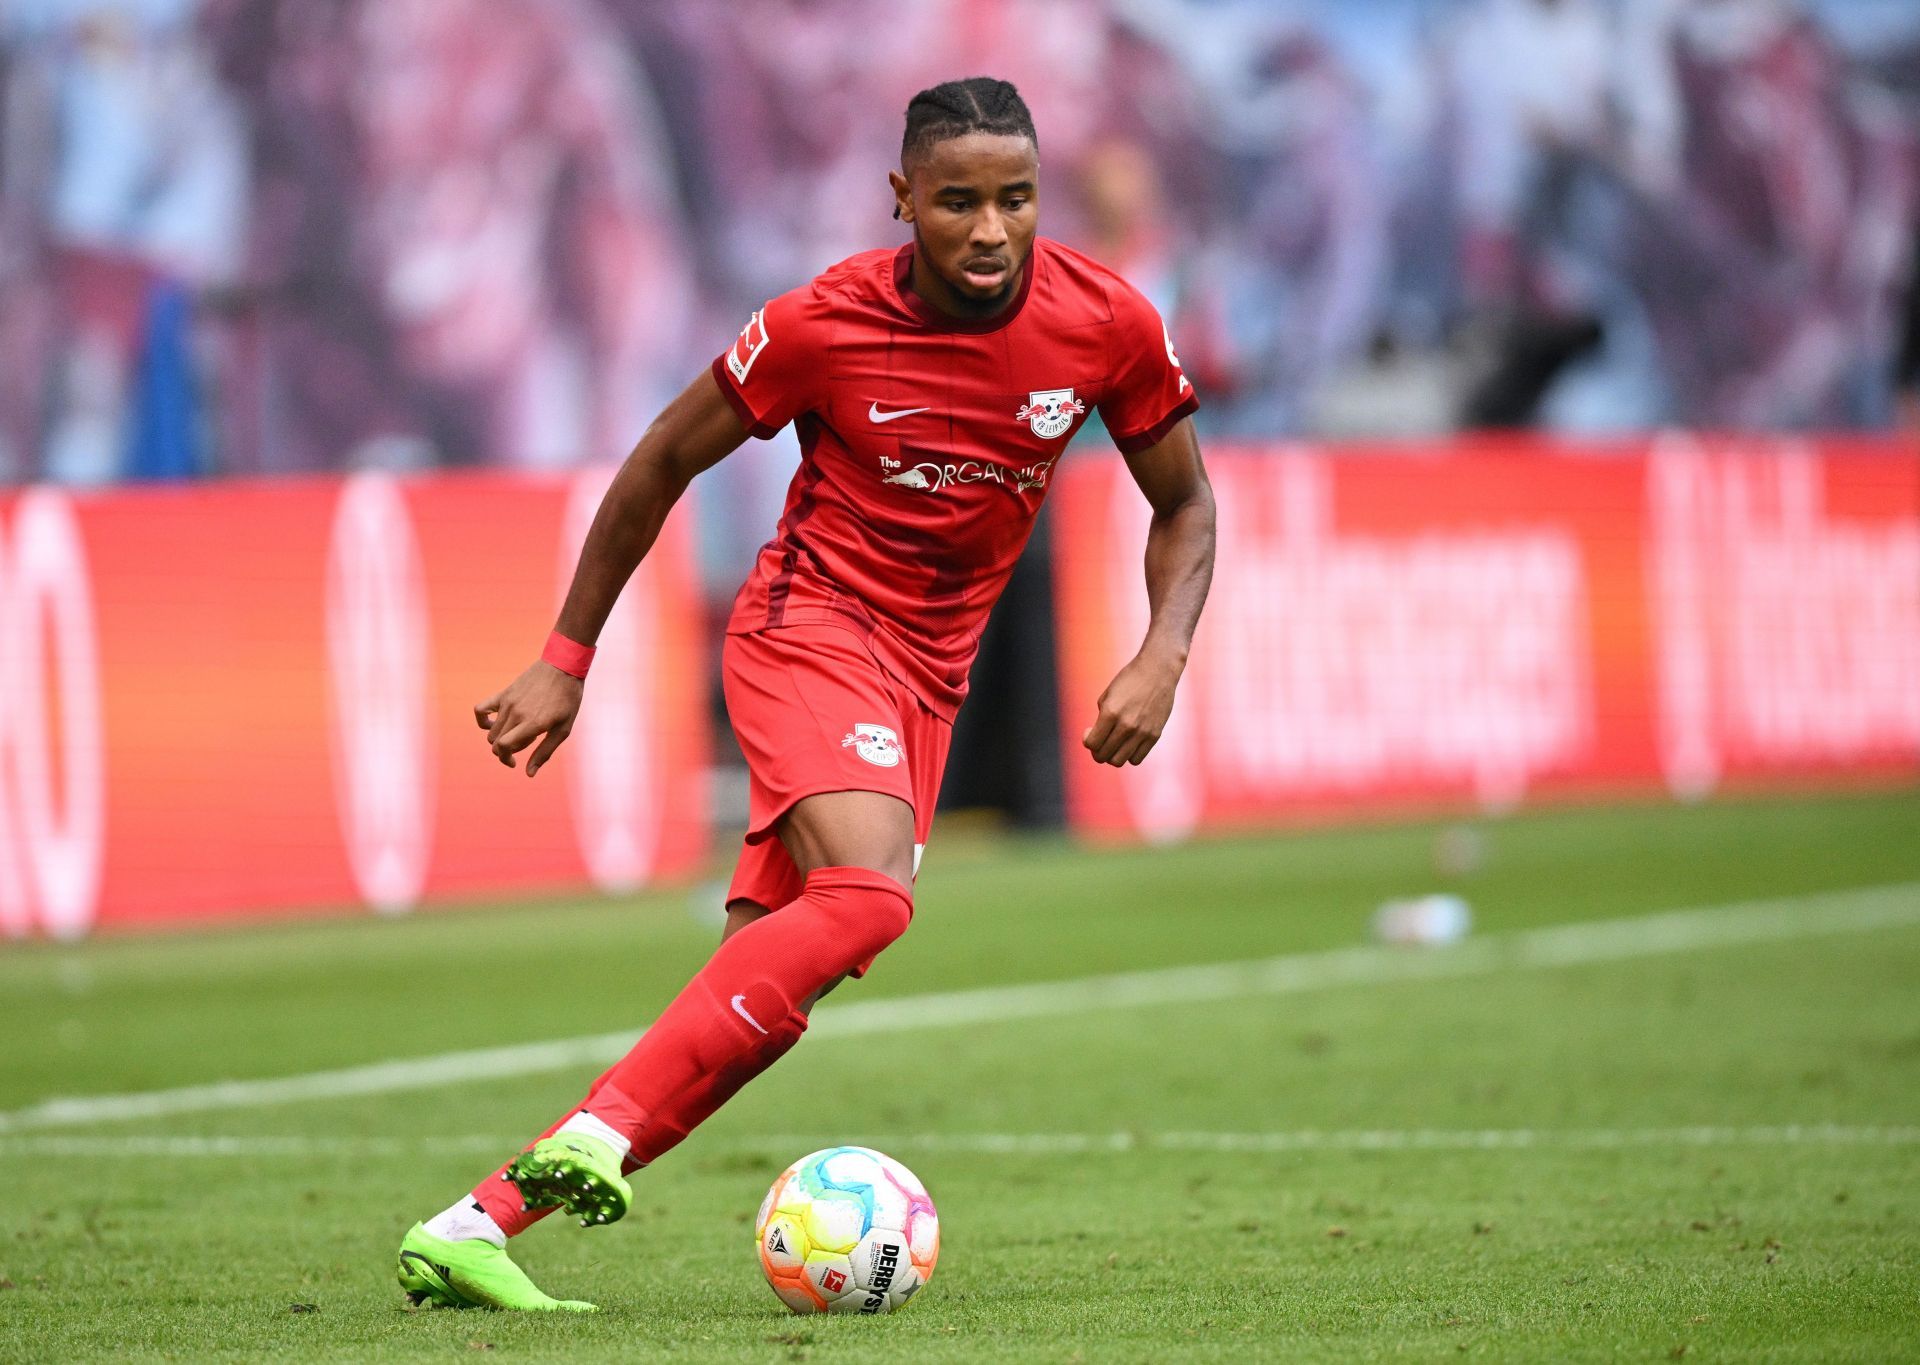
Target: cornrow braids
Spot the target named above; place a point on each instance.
(979, 104)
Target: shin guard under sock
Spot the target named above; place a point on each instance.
(699, 1102)
(709, 1042)
(752, 983)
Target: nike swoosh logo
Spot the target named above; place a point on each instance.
(740, 1008)
(874, 414)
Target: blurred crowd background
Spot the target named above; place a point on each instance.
(359, 240)
(267, 236)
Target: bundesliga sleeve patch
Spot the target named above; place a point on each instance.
(1173, 359)
(747, 346)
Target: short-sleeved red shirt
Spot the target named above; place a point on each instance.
(927, 443)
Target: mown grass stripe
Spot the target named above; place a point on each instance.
(1598, 941)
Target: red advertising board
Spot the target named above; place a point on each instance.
(242, 698)
(1494, 621)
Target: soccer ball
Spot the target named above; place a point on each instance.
(847, 1230)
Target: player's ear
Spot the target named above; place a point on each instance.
(902, 197)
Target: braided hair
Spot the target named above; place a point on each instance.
(979, 104)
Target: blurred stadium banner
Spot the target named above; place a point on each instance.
(1492, 620)
(246, 698)
(253, 698)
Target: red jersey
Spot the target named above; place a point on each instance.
(927, 443)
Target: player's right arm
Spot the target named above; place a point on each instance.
(696, 431)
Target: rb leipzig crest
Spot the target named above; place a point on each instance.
(1050, 412)
(878, 744)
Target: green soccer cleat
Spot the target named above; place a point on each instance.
(472, 1274)
(577, 1173)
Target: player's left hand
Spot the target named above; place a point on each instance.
(1133, 710)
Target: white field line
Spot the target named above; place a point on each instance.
(1596, 941)
(94, 1146)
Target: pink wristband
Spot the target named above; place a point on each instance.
(569, 656)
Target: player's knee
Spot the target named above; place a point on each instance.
(886, 914)
(893, 914)
(868, 908)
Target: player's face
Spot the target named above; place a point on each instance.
(974, 204)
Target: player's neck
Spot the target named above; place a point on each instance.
(943, 298)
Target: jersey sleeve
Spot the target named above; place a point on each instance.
(777, 368)
(1148, 392)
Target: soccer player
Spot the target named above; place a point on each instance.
(933, 388)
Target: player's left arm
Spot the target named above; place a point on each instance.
(1134, 708)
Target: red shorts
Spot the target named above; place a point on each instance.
(814, 712)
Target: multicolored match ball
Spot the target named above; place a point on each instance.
(847, 1230)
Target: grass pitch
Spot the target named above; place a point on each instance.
(1711, 1153)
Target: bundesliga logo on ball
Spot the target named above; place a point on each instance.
(847, 1230)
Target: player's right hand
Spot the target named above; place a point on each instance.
(539, 704)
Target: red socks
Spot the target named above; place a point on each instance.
(738, 1015)
(753, 981)
(698, 1103)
